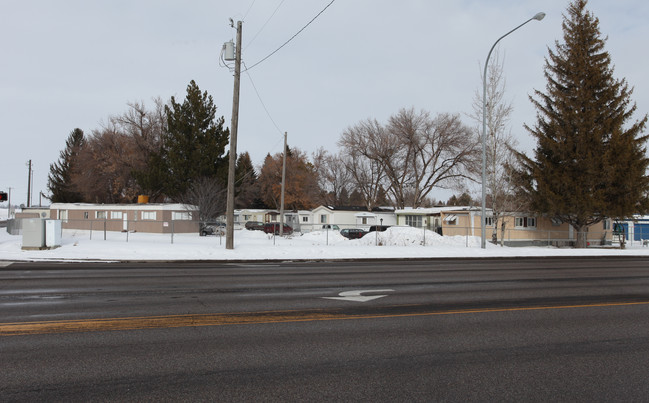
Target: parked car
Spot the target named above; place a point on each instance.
(212, 228)
(330, 226)
(273, 227)
(352, 233)
(255, 226)
(379, 228)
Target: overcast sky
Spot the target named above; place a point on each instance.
(68, 64)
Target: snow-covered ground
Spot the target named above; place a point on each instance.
(396, 242)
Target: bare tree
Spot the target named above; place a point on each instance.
(431, 152)
(500, 145)
(333, 177)
(208, 195)
(361, 147)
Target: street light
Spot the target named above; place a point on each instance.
(483, 230)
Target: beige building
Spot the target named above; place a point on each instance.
(520, 229)
(147, 217)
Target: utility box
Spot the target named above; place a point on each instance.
(53, 233)
(33, 233)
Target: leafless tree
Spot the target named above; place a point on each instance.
(333, 176)
(209, 196)
(411, 155)
(500, 145)
(431, 152)
(361, 148)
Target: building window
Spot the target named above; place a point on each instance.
(148, 215)
(63, 215)
(100, 215)
(305, 219)
(180, 215)
(525, 222)
(323, 219)
(413, 220)
(85, 215)
(606, 224)
(450, 219)
(489, 221)
(115, 215)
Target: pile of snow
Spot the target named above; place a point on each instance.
(396, 242)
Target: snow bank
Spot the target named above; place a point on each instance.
(396, 242)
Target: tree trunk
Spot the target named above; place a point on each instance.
(582, 236)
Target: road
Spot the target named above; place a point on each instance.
(533, 329)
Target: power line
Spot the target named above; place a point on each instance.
(260, 100)
(249, 8)
(265, 23)
(291, 38)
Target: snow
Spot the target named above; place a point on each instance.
(396, 242)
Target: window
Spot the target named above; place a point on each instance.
(180, 215)
(489, 221)
(413, 220)
(364, 220)
(525, 222)
(100, 215)
(305, 219)
(63, 215)
(246, 217)
(606, 224)
(148, 215)
(85, 215)
(450, 219)
(323, 219)
(115, 215)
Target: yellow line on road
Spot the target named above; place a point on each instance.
(221, 319)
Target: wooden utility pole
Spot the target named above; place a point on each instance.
(281, 208)
(229, 215)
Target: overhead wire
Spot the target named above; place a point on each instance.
(265, 23)
(260, 100)
(293, 37)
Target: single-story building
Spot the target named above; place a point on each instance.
(160, 218)
(352, 216)
(520, 229)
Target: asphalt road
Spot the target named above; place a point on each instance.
(438, 330)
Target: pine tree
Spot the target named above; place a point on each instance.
(59, 179)
(589, 163)
(194, 145)
(247, 189)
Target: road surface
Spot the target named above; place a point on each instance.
(533, 329)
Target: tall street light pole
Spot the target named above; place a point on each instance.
(483, 229)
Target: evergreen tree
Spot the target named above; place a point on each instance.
(589, 163)
(59, 179)
(246, 187)
(194, 145)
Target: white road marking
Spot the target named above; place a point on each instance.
(5, 264)
(356, 296)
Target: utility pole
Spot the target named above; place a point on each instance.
(9, 202)
(229, 214)
(29, 183)
(281, 207)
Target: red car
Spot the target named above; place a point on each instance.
(273, 228)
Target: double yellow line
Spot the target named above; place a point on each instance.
(222, 319)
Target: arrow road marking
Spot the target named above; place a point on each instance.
(357, 297)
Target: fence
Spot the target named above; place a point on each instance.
(127, 229)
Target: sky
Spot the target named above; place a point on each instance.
(74, 63)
